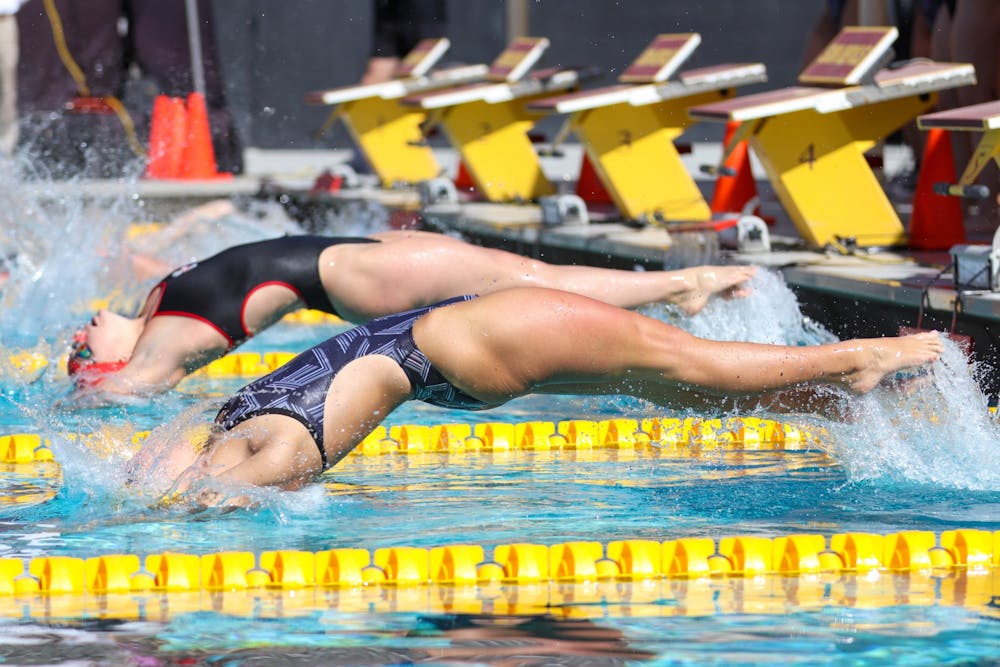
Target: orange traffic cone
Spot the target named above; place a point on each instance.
(463, 179)
(733, 192)
(936, 222)
(589, 187)
(167, 136)
(199, 156)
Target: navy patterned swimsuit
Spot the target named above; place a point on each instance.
(298, 389)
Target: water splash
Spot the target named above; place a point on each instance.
(64, 249)
(67, 250)
(70, 246)
(933, 429)
(769, 314)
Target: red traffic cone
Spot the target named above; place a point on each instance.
(733, 192)
(199, 156)
(167, 136)
(936, 221)
(463, 179)
(327, 182)
(589, 187)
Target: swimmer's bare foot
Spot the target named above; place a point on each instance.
(882, 356)
(704, 282)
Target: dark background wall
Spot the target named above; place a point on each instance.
(273, 53)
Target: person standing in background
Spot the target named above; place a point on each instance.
(963, 31)
(975, 38)
(83, 53)
(834, 16)
(72, 53)
(399, 25)
(158, 46)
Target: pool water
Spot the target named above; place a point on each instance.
(925, 458)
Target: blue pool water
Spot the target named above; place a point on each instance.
(889, 468)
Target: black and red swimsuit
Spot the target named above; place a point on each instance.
(216, 290)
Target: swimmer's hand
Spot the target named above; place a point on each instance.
(202, 500)
(82, 398)
(214, 499)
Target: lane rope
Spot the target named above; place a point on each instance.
(974, 551)
(688, 435)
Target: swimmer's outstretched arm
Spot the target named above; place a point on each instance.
(270, 466)
(184, 226)
(277, 450)
(268, 450)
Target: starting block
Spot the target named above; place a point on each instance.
(629, 129)
(811, 138)
(976, 267)
(983, 118)
(387, 132)
(488, 122)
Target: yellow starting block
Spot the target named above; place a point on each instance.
(983, 118)
(629, 129)
(488, 122)
(811, 139)
(388, 133)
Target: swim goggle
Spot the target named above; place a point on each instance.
(82, 366)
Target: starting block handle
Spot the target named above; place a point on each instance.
(716, 170)
(742, 133)
(429, 125)
(555, 148)
(964, 191)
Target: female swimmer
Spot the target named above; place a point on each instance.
(476, 353)
(204, 309)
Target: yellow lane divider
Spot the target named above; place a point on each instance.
(976, 552)
(244, 365)
(974, 590)
(26, 364)
(234, 364)
(308, 316)
(663, 434)
(24, 448)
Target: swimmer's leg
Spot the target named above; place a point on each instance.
(411, 269)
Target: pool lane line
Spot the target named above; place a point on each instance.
(666, 435)
(974, 592)
(807, 558)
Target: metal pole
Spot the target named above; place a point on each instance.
(194, 43)
(517, 19)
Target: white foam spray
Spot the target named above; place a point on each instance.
(768, 314)
(933, 428)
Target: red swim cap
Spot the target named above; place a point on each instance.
(81, 366)
(92, 373)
